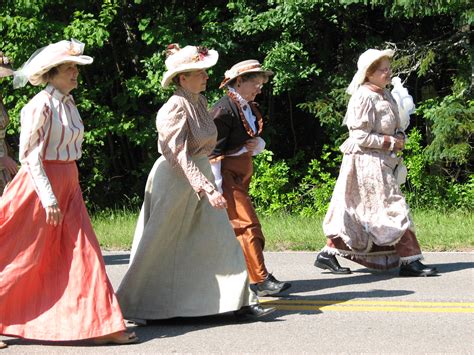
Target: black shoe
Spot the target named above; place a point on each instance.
(270, 286)
(253, 312)
(329, 262)
(417, 268)
(137, 321)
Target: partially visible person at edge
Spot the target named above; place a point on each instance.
(53, 284)
(239, 125)
(8, 166)
(368, 218)
(185, 261)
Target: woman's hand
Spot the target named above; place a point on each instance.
(399, 144)
(9, 164)
(53, 215)
(216, 199)
(251, 144)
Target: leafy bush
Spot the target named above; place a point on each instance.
(317, 185)
(293, 186)
(269, 187)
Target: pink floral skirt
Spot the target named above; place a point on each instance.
(53, 284)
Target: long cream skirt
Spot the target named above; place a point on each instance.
(185, 259)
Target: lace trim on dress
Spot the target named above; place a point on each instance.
(409, 259)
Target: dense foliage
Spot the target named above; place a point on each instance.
(311, 45)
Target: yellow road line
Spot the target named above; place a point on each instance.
(381, 303)
(376, 309)
(371, 306)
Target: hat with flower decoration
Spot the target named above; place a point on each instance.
(189, 58)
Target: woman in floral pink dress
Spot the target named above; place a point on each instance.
(368, 218)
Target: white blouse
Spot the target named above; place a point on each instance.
(51, 129)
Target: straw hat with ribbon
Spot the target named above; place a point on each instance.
(364, 62)
(49, 57)
(247, 66)
(5, 66)
(189, 58)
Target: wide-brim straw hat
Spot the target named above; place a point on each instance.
(49, 57)
(241, 68)
(189, 58)
(5, 66)
(364, 62)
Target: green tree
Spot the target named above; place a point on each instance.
(312, 46)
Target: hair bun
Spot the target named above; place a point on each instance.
(172, 49)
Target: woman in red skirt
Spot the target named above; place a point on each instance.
(53, 283)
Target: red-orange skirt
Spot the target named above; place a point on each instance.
(53, 284)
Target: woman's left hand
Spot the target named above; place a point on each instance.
(53, 215)
(9, 164)
(251, 144)
(216, 199)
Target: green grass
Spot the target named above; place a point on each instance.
(445, 232)
(115, 228)
(436, 231)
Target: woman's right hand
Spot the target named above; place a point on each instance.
(9, 164)
(216, 199)
(53, 215)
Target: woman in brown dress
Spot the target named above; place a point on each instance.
(239, 125)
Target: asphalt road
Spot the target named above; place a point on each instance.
(322, 313)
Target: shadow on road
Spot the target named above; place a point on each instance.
(325, 281)
(452, 267)
(299, 286)
(168, 328)
(117, 259)
(179, 326)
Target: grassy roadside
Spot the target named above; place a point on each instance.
(436, 231)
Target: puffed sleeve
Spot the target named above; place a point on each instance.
(361, 120)
(33, 119)
(172, 127)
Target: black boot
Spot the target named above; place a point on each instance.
(270, 286)
(329, 262)
(417, 268)
(253, 312)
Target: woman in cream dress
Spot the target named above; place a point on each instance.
(185, 260)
